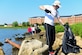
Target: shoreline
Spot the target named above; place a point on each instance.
(58, 41)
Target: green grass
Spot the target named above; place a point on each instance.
(42, 28)
(59, 28)
(76, 29)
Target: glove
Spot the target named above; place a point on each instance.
(66, 26)
(47, 11)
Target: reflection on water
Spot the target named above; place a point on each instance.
(9, 33)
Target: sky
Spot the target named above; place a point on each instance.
(22, 10)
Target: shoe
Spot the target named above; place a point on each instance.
(51, 53)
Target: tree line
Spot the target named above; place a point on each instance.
(23, 24)
(16, 24)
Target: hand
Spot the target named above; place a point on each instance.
(66, 24)
(42, 7)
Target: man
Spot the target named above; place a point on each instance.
(50, 14)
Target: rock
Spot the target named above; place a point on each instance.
(27, 49)
(19, 38)
(1, 44)
(32, 47)
(1, 51)
(15, 51)
(40, 50)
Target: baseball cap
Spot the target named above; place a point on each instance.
(57, 3)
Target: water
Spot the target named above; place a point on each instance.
(9, 33)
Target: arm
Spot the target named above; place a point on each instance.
(58, 17)
(60, 21)
(45, 9)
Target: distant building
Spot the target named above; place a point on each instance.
(7, 25)
(20, 24)
(38, 19)
(71, 19)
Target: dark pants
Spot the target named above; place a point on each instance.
(50, 35)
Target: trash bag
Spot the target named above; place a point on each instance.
(69, 42)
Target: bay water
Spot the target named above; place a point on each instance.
(9, 33)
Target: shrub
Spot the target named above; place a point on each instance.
(80, 33)
(59, 28)
(57, 24)
(77, 29)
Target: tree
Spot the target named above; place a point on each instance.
(24, 24)
(15, 24)
(5, 23)
(27, 23)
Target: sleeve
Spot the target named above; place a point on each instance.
(46, 6)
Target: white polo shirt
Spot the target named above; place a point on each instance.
(49, 17)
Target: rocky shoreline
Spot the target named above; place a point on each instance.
(41, 37)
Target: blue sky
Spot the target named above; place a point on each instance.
(22, 10)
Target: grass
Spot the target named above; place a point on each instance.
(76, 29)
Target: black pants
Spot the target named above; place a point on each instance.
(50, 35)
